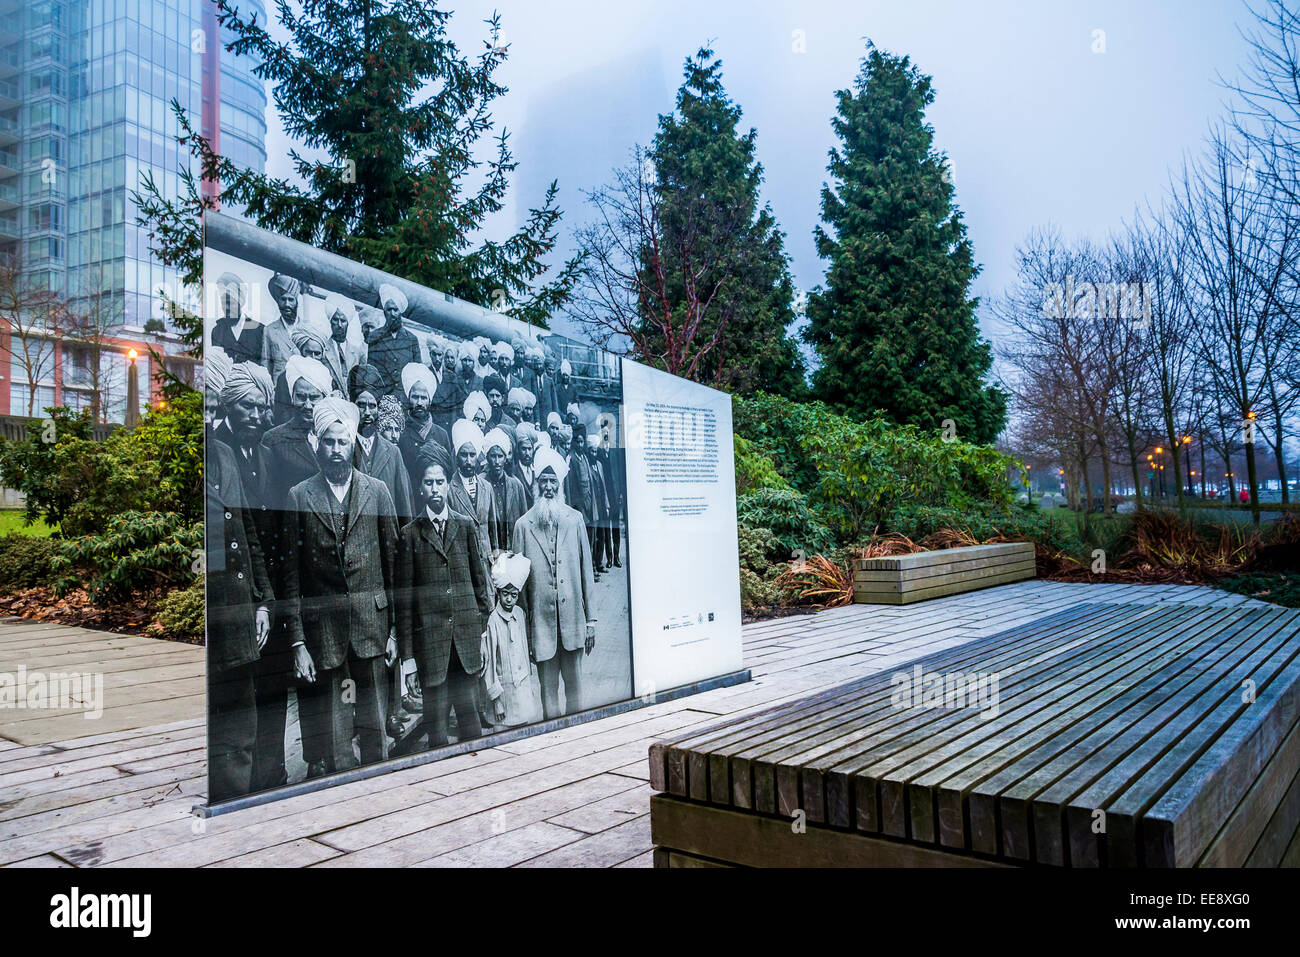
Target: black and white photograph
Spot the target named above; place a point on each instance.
(416, 512)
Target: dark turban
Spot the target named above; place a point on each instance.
(495, 382)
(432, 453)
(365, 378)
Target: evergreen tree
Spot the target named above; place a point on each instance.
(708, 181)
(894, 326)
(394, 109)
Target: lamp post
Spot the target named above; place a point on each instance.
(132, 390)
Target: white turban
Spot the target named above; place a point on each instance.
(504, 349)
(573, 408)
(332, 409)
(466, 350)
(313, 370)
(247, 379)
(465, 432)
(417, 373)
(481, 341)
(517, 396)
(548, 458)
(553, 418)
(336, 303)
(566, 368)
(593, 441)
(543, 440)
(216, 366)
(533, 352)
(310, 329)
(530, 400)
(498, 437)
(525, 430)
(510, 569)
(476, 400)
(389, 293)
(566, 431)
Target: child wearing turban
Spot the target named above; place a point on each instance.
(509, 676)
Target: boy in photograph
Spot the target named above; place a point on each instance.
(510, 675)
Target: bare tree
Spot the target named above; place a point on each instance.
(1241, 235)
(648, 295)
(92, 313)
(33, 315)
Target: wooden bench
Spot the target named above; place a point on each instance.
(902, 579)
(1119, 736)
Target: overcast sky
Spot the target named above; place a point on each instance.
(1039, 127)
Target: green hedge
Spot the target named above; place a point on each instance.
(25, 561)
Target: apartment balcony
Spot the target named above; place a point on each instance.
(9, 228)
(11, 58)
(9, 195)
(9, 97)
(8, 132)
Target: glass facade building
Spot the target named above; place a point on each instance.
(85, 115)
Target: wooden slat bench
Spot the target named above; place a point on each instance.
(902, 579)
(1119, 736)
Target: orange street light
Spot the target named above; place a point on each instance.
(1150, 457)
(1187, 440)
(132, 354)
(1159, 450)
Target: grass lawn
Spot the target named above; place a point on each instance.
(11, 520)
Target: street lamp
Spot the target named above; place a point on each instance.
(132, 390)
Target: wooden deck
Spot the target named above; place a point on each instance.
(120, 793)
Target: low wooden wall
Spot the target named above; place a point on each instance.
(902, 579)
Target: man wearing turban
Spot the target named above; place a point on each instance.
(494, 387)
(470, 493)
(419, 387)
(560, 589)
(516, 403)
(340, 541)
(580, 490)
(375, 455)
(392, 347)
(216, 364)
(277, 341)
(477, 409)
(288, 457)
(443, 600)
(340, 356)
(452, 388)
(503, 360)
(521, 467)
(234, 330)
(566, 390)
(508, 497)
(309, 337)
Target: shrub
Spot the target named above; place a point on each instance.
(754, 470)
(25, 561)
(820, 581)
(757, 570)
(785, 514)
(79, 484)
(139, 553)
(180, 614)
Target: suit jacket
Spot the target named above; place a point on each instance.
(599, 493)
(237, 581)
(247, 347)
(385, 463)
(509, 505)
(482, 513)
(289, 460)
(560, 587)
(339, 592)
(253, 478)
(339, 369)
(443, 596)
(579, 490)
(390, 356)
(277, 347)
(530, 493)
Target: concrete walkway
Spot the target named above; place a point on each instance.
(122, 794)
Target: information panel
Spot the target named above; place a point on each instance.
(682, 504)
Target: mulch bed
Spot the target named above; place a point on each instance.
(764, 614)
(74, 608)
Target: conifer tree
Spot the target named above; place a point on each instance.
(895, 326)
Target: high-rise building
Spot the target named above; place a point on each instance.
(85, 115)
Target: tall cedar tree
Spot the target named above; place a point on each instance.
(894, 326)
(701, 160)
(396, 110)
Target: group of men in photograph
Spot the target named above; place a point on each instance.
(388, 533)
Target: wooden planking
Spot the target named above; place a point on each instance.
(904, 586)
(1246, 826)
(944, 556)
(945, 587)
(753, 840)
